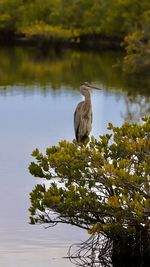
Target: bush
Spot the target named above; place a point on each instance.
(137, 45)
(45, 32)
(102, 187)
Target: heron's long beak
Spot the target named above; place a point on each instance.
(94, 87)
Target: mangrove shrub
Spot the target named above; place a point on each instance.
(102, 187)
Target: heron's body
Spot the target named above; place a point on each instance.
(83, 114)
(83, 119)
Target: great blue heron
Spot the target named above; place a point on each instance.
(83, 113)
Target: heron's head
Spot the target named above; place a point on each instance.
(85, 88)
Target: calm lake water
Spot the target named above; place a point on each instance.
(38, 95)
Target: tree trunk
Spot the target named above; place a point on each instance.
(131, 248)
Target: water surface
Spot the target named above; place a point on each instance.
(38, 95)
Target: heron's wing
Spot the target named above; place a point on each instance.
(77, 118)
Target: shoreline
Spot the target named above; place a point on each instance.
(97, 43)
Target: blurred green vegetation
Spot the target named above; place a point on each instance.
(75, 21)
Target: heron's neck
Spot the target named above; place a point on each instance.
(87, 98)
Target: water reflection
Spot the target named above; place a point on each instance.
(29, 66)
(29, 70)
